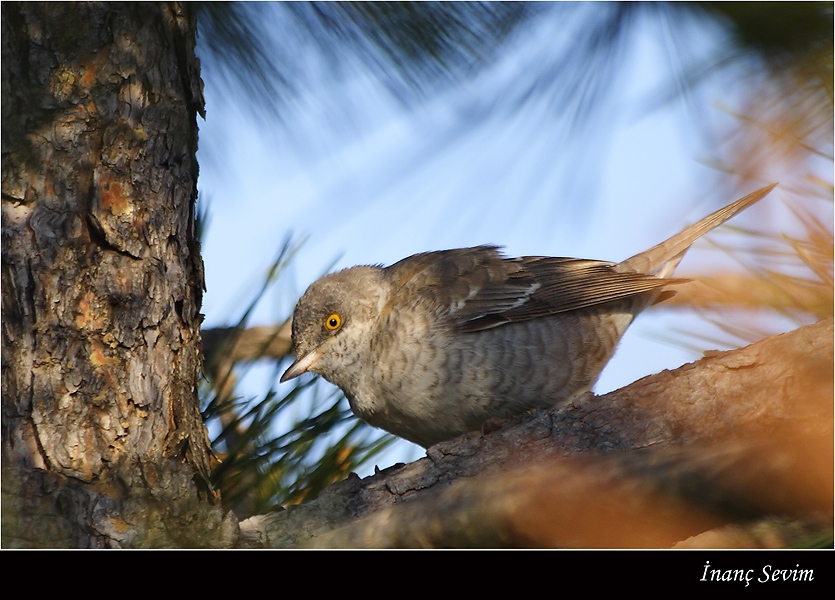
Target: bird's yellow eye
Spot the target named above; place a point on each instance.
(333, 322)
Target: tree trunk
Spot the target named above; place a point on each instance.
(102, 440)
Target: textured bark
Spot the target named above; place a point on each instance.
(735, 436)
(103, 444)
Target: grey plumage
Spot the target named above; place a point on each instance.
(440, 342)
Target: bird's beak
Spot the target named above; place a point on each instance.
(301, 365)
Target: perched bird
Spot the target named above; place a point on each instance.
(440, 342)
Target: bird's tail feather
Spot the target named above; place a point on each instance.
(662, 259)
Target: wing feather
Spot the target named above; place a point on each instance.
(478, 288)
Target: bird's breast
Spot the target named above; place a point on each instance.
(431, 382)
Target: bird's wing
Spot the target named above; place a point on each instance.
(477, 288)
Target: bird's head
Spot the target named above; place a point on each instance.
(333, 321)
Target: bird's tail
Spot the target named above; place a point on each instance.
(661, 260)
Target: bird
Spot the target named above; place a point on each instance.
(442, 342)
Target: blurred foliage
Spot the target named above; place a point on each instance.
(785, 128)
(415, 48)
(778, 31)
(409, 46)
(259, 470)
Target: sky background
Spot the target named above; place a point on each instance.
(366, 180)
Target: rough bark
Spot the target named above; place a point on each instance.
(735, 436)
(102, 440)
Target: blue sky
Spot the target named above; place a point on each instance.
(370, 181)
